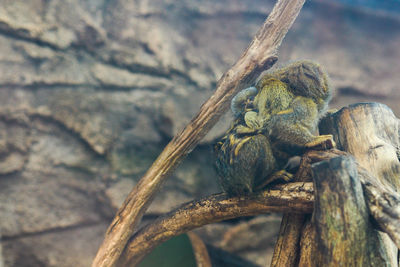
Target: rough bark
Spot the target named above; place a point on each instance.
(308, 251)
(384, 206)
(294, 197)
(286, 250)
(370, 132)
(260, 55)
(345, 235)
(287, 246)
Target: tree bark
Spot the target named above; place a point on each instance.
(259, 56)
(308, 250)
(344, 233)
(370, 132)
(286, 250)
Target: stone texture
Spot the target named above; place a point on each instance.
(91, 91)
(63, 248)
(359, 49)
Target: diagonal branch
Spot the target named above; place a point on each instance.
(259, 56)
(293, 197)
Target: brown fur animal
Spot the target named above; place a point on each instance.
(274, 121)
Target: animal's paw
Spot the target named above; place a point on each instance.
(279, 176)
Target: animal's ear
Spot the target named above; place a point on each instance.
(238, 102)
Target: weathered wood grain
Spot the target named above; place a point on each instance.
(344, 232)
(286, 250)
(370, 132)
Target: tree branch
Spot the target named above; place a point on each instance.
(293, 197)
(259, 56)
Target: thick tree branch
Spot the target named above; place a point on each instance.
(260, 55)
(293, 197)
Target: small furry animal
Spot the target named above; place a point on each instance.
(274, 120)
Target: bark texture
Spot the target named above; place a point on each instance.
(344, 232)
(370, 132)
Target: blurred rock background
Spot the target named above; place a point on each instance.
(91, 91)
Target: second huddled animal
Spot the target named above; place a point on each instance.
(274, 121)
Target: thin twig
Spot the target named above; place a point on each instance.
(200, 250)
(259, 56)
(293, 197)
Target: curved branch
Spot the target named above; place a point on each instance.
(259, 56)
(293, 197)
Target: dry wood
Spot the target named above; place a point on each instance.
(370, 132)
(259, 56)
(307, 253)
(345, 233)
(287, 246)
(383, 202)
(293, 197)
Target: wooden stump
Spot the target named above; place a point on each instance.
(344, 234)
(341, 232)
(370, 132)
